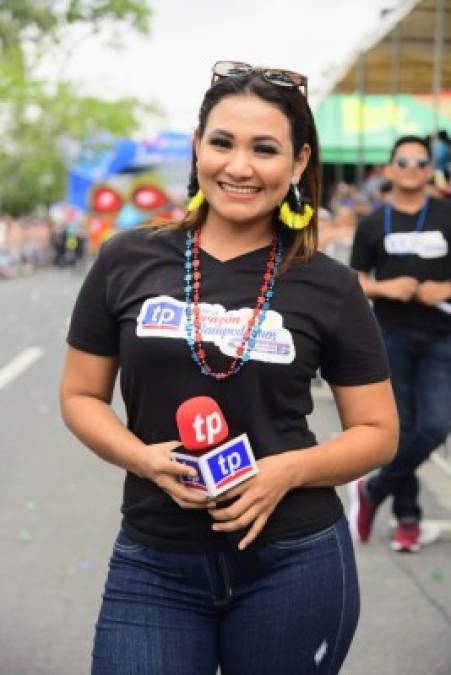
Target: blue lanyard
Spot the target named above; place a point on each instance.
(420, 220)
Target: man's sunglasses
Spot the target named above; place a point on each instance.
(412, 162)
(280, 78)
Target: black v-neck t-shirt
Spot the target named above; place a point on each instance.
(131, 305)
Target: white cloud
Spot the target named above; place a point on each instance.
(172, 67)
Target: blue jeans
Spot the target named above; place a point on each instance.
(167, 613)
(420, 365)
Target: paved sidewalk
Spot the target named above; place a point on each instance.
(405, 626)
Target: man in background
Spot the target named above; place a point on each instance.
(402, 253)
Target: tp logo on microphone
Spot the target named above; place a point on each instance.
(221, 468)
(231, 463)
(208, 428)
(198, 483)
(201, 423)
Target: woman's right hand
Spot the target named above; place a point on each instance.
(160, 468)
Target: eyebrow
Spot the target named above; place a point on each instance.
(409, 157)
(262, 137)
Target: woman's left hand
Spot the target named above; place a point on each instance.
(256, 499)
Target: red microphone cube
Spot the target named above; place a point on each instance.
(201, 423)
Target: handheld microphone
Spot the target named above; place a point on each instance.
(220, 466)
(202, 426)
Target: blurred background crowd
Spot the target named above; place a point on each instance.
(66, 236)
(28, 244)
(87, 153)
(347, 203)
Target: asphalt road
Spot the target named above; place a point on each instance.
(59, 512)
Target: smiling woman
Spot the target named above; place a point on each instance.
(256, 148)
(245, 164)
(236, 304)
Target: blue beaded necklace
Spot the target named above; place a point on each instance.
(192, 277)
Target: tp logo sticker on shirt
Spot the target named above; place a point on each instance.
(164, 316)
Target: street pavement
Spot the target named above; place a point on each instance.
(59, 512)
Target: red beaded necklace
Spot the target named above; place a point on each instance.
(257, 317)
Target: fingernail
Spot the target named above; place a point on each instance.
(214, 527)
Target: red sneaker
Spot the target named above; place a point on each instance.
(406, 538)
(361, 512)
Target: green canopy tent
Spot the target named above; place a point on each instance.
(407, 57)
(342, 117)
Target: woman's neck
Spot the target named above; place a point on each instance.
(225, 239)
(407, 201)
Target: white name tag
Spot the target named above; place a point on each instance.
(423, 244)
(445, 307)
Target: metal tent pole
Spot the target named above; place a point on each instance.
(439, 43)
(360, 77)
(395, 70)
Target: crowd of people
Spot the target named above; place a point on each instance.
(32, 243)
(348, 204)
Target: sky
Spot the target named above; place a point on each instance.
(172, 66)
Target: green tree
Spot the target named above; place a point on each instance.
(36, 117)
(35, 20)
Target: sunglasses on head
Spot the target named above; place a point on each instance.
(412, 162)
(280, 78)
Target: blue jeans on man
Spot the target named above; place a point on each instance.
(420, 363)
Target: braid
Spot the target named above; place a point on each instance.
(193, 185)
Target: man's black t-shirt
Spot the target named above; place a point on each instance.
(132, 305)
(425, 256)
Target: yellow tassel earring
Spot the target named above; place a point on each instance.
(292, 219)
(196, 201)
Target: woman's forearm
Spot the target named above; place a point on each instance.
(349, 455)
(96, 425)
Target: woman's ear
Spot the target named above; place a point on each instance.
(300, 163)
